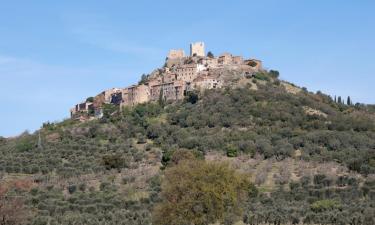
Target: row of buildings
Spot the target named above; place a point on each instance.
(179, 75)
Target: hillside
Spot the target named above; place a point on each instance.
(312, 159)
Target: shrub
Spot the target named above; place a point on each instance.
(274, 73)
(115, 161)
(231, 151)
(192, 97)
(261, 76)
(326, 204)
(198, 192)
(72, 188)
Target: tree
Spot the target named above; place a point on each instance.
(143, 80)
(274, 73)
(161, 100)
(109, 110)
(339, 100)
(198, 192)
(348, 101)
(192, 97)
(210, 55)
(90, 99)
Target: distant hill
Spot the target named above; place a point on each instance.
(311, 158)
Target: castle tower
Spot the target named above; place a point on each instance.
(197, 49)
(176, 53)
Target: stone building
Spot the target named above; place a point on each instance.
(176, 53)
(225, 59)
(187, 72)
(197, 49)
(209, 62)
(229, 59)
(104, 97)
(237, 60)
(168, 91)
(175, 62)
(116, 98)
(169, 77)
(207, 82)
(135, 94)
(84, 107)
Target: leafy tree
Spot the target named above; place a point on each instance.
(192, 97)
(210, 55)
(144, 79)
(90, 99)
(274, 73)
(199, 192)
(109, 110)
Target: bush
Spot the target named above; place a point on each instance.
(274, 73)
(115, 161)
(326, 204)
(197, 192)
(72, 188)
(231, 151)
(192, 97)
(261, 76)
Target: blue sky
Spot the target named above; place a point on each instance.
(54, 54)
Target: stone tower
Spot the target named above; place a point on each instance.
(176, 53)
(197, 49)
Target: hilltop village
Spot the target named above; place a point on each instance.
(179, 75)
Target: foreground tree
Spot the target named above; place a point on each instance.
(198, 192)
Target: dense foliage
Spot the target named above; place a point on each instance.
(197, 192)
(315, 201)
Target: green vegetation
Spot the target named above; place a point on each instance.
(262, 76)
(90, 99)
(210, 55)
(144, 79)
(197, 192)
(109, 171)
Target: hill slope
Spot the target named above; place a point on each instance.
(303, 151)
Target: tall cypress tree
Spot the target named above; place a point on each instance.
(339, 99)
(349, 101)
